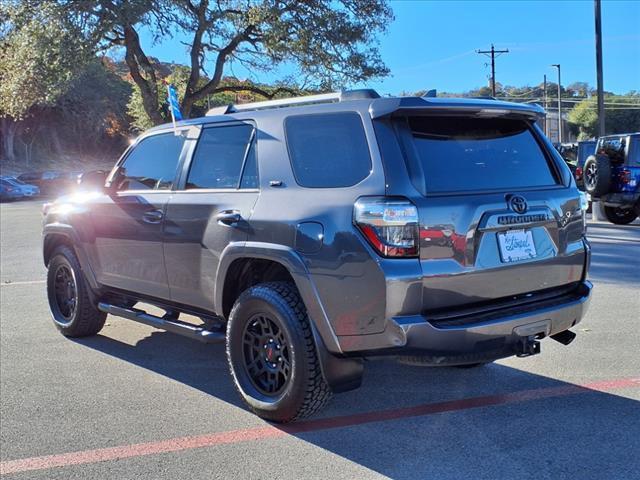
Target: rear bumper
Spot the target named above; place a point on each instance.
(620, 199)
(475, 341)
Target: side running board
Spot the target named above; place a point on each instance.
(174, 326)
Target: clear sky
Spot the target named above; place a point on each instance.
(431, 44)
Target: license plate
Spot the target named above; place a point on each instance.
(516, 245)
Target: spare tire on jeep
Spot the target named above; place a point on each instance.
(597, 175)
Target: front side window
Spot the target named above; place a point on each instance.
(152, 164)
(468, 153)
(221, 155)
(328, 150)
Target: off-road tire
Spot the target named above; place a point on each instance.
(306, 390)
(597, 175)
(86, 319)
(619, 216)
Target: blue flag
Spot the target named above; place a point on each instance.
(174, 106)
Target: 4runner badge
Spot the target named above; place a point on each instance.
(513, 219)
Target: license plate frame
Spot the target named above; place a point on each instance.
(516, 245)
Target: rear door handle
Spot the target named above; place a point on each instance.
(229, 218)
(153, 216)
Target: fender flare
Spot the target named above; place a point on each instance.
(70, 233)
(341, 373)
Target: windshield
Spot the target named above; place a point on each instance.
(469, 154)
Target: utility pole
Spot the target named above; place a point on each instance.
(600, 85)
(557, 65)
(493, 53)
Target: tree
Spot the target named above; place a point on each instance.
(40, 52)
(231, 90)
(622, 114)
(579, 89)
(584, 118)
(330, 42)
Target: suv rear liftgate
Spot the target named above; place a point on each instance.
(500, 233)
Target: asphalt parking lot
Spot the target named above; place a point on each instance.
(134, 402)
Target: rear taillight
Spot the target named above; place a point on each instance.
(578, 174)
(389, 224)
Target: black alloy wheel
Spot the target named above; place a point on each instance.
(266, 352)
(73, 308)
(65, 292)
(272, 354)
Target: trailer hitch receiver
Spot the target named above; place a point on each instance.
(527, 346)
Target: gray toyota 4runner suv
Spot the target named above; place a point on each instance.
(311, 233)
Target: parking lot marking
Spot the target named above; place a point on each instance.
(269, 431)
(6, 283)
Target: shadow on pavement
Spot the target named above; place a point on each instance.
(586, 435)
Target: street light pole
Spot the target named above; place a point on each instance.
(546, 118)
(557, 65)
(600, 86)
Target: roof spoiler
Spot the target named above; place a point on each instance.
(490, 108)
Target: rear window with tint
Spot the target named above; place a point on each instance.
(469, 154)
(328, 150)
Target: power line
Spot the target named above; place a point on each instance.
(492, 53)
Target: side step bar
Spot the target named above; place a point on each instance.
(173, 326)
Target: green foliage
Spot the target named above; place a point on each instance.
(239, 91)
(584, 117)
(94, 105)
(178, 77)
(622, 114)
(331, 43)
(40, 53)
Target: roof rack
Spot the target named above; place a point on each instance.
(333, 97)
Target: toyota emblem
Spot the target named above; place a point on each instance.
(518, 204)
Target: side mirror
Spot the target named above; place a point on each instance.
(92, 180)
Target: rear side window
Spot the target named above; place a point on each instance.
(467, 154)
(220, 157)
(328, 150)
(152, 164)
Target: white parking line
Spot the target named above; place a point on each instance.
(7, 283)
